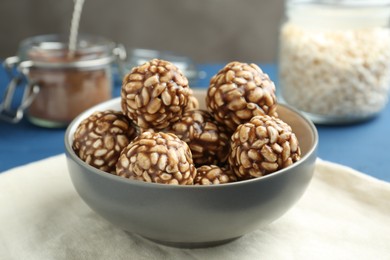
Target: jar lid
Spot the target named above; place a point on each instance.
(52, 51)
(338, 15)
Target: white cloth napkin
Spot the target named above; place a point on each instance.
(343, 215)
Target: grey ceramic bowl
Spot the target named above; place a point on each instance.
(194, 216)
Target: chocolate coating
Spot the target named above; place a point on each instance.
(155, 94)
(157, 157)
(238, 92)
(263, 145)
(213, 174)
(207, 139)
(100, 138)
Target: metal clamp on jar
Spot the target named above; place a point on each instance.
(59, 85)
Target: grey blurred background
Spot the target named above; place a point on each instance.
(205, 30)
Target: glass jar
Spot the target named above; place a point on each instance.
(59, 84)
(334, 59)
(138, 56)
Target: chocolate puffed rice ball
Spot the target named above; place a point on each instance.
(159, 158)
(213, 174)
(155, 94)
(207, 139)
(238, 92)
(263, 145)
(100, 138)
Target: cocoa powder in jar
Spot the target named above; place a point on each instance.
(66, 91)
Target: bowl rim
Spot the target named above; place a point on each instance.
(70, 153)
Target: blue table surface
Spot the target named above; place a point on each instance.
(364, 146)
